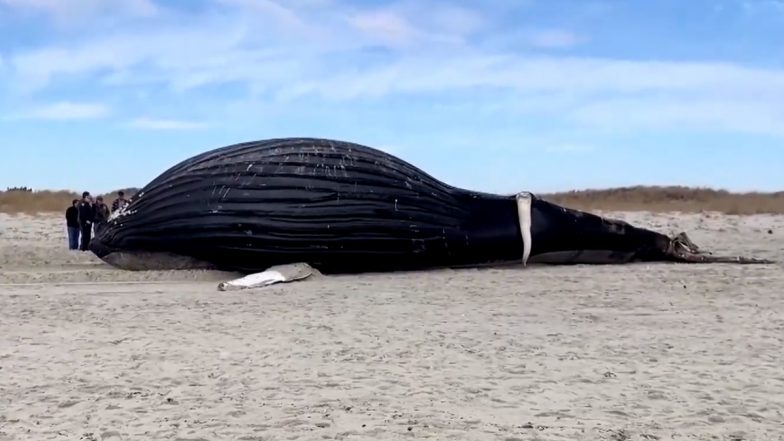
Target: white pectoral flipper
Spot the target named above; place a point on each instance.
(275, 274)
(524, 216)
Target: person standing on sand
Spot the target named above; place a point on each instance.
(120, 202)
(86, 218)
(100, 213)
(72, 224)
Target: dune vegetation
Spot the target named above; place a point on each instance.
(654, 199)
(671, 199)
(28, 201)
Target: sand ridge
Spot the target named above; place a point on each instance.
(640, 352)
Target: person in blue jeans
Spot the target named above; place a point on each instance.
(72, 224)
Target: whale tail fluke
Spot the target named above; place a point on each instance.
(682, 249)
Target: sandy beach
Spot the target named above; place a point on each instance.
(640, 352)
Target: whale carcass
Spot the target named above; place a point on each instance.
(340, 207)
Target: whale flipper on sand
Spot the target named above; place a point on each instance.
(276, 274)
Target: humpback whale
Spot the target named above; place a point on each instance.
(341, 207)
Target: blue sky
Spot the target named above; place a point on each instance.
(503, 96)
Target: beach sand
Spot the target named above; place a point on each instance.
(636, 352)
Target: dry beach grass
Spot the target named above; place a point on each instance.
(641, 352)
(670, 199)
(43, 201)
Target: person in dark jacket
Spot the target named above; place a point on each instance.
(86, 219)
(100, 213)
(120, 202)
(72, 224)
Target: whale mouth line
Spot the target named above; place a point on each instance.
(99, 248)
(142, 260)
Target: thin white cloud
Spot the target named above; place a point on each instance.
(763, 6)
(409, 23)
(555, 75)
(64, 110)
(554, 39)
(313, 52)
(185, 58)
(269, 8)
(667, 112)
(386, 26)
(147, 123)
(455, 20)
(171, 50)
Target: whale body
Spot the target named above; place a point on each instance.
(342, 207)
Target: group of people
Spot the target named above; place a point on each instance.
(84, 217)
